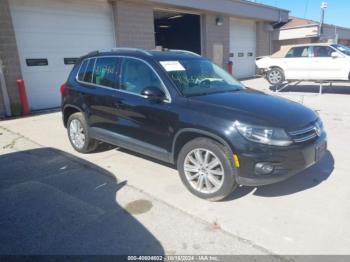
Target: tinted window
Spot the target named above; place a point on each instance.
(82, 70)
(88, 72)
(105, 71)
(323, 51)
(137, 75)
(298, 52)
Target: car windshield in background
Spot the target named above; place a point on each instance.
(199, 77)
(342, 48)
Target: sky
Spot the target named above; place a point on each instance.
(337, 13)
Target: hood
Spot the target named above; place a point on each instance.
(248, 106)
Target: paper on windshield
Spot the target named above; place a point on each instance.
(172, 66)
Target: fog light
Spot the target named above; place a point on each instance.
(264, 168)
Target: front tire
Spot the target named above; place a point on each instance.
(78, 134)
(206, 170)
(275, 76)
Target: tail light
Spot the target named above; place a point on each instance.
(62, 88)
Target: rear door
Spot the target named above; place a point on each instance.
(325, 67)
(98, 78)
(297, 63)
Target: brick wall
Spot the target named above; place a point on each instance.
(212, 34)
(264, 45)
(134, 24)
(9, 52)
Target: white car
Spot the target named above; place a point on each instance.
(312, 62)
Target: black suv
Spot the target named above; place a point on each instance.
(181, 108)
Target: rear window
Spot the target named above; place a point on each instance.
(88, 72)
(105, 72)
(302, 51)
(82, 70)
(85, 71)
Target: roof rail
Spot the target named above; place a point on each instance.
(114, 49)
(92, 53)
(184, 51)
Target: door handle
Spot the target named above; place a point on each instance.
(117, 104)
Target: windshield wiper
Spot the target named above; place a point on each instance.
(217, 92)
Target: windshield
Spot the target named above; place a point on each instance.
(342, 48)
(199, 77)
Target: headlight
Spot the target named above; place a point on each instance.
(319, 124)
(264, 135)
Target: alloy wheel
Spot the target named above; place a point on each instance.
(77, 134)
(204, 171)
(275, 76)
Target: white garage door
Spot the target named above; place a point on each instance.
(243, 47)
(47, 32)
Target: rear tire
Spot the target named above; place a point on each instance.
(206, 169)
(275, 76)
(78, 134)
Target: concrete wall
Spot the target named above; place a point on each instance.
(213, 34)
(264, 45)
(244, 9)
(295, 33)
(9, 54)
(134, 24)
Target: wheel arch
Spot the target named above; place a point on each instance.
(276, 66)
(187, 134)
(68, 110)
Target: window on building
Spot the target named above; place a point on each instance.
(322, 51)
(302, 51)
(105, 72)
(137, 75)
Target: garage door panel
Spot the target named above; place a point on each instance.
(56, 30)
(64, 42)
(243, 47)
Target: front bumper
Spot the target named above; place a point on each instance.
(286, 161)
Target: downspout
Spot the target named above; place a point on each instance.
(4, 92)
(271, 33)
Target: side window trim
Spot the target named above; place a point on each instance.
(309, 48)
(167, 93)
(115, 73)
(80, 68)
(91, 83)
(329, 47)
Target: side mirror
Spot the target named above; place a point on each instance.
(153, 93)
(335, 55)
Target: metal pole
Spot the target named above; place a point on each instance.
(322, 20)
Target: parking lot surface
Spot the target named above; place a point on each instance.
(307, 214)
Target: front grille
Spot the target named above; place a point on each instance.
(303, 135)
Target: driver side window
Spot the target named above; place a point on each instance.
(137, 75)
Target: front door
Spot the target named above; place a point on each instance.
(325, 67)
(140, 120)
